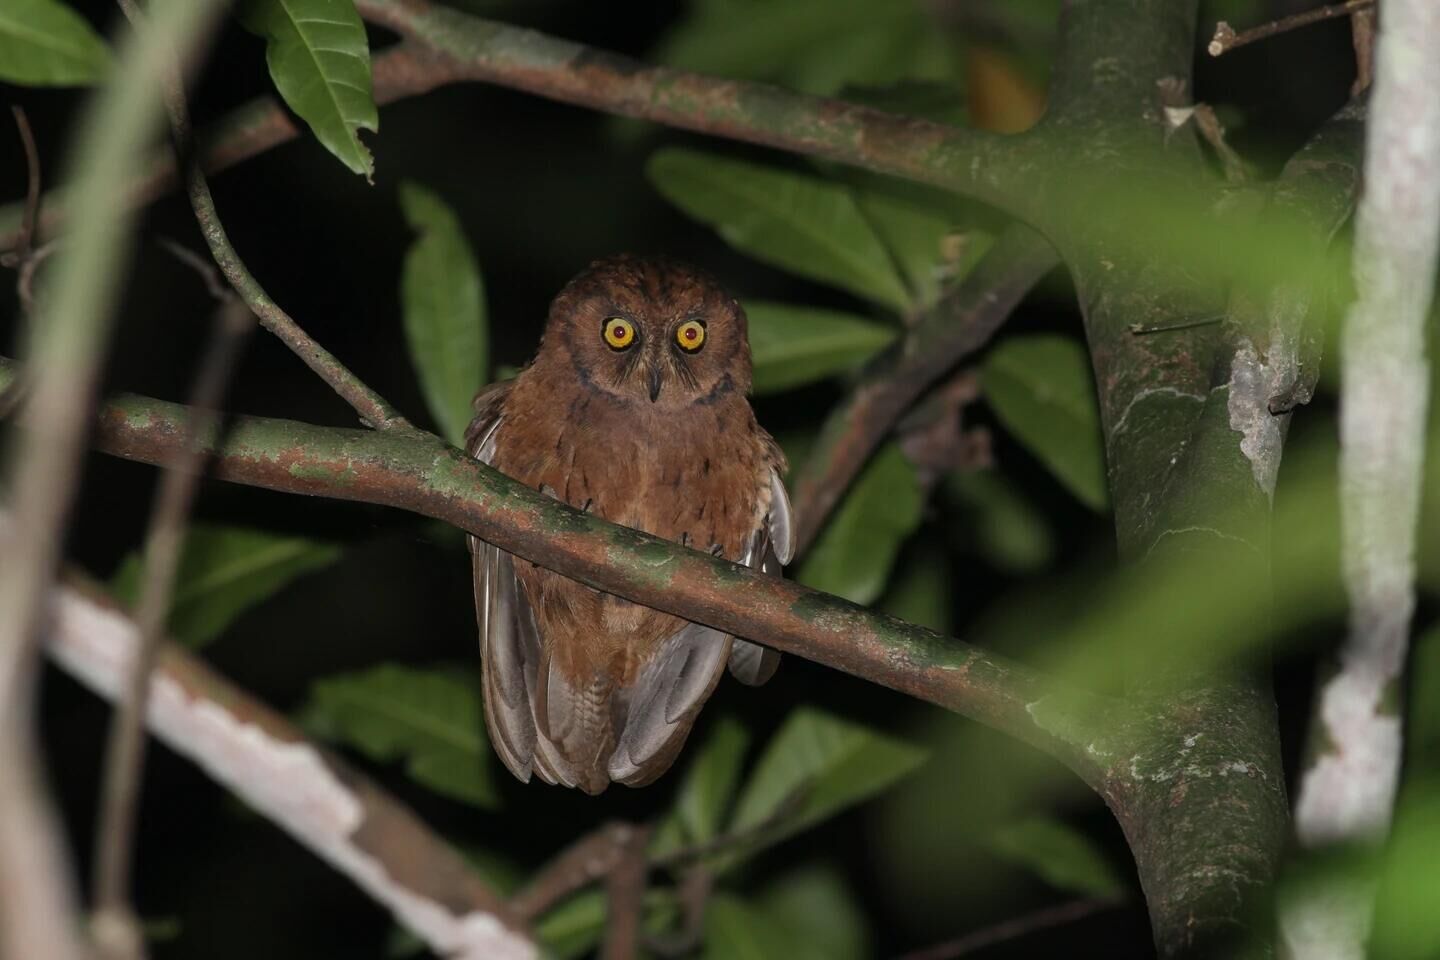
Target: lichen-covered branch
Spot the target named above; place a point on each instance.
(1348, 790)
(442, 45)
(1203, 805)
(259, 756)
(418, 472)
(958, 325)
(971, 162)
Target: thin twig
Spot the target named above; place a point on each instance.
(693, 890)
(1213, 131)
(24, 258)
(1362, 39)
(1021, 926)
(204, 267)
(31, 213)
(1183, 323)
(372, 408)
(587, 860)
(625, 897)
(125, 756)
(1226, 39)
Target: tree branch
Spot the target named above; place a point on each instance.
(254, 752)
(1348, 790)
(442, 46)
(1226, 39)
(420, 473)
(962, 322)
(971, 162)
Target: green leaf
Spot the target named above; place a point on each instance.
(857, 548)
(571, 929)
(43, 43)
(736, 930)
(444, 302)
(816, 46)
(792, 346)
(915, 238)
(816, 765)
(818, 910)
(1060, 855)
(711, 779)
(799, 222)
(225, 571)
(319, 59)
(1422, 739)
(1407, 925)
(430, 718)
(1005, 527)
(1040, 387)
(806, 914)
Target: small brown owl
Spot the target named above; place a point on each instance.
(634, 409)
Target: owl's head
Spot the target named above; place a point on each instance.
(651, 330)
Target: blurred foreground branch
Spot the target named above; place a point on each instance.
(38, 913)
(254, 752)
(1348, 790)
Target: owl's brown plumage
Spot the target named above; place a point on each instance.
(634, 409)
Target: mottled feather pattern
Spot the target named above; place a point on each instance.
(653, 437)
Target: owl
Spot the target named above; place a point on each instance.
(634, 409)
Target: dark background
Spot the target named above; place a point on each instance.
(542, 189)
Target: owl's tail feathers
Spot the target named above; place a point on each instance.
(663, 703)
(631, 734)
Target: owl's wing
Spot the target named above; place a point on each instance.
(510, 652)
(771, 548)
(662, 705)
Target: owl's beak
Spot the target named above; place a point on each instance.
(655, 383)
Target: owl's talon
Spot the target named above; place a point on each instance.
(716, 550)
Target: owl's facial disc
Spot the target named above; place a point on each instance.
(652, 330)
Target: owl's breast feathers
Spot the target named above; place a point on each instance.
(704, 476)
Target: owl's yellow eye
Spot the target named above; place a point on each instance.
(690, 335)
(619, 332)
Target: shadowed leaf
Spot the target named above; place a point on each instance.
(1000, 522)
(225, 571)
(430, 718)
(444, 302)
(792, 346)
(319, 58)
(1060, 855)
(816, 765)
(799, 222)
(43, 43)
(816, 46)
(711, 779)
(857, 548)
(1041, 389)
(818, 910)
